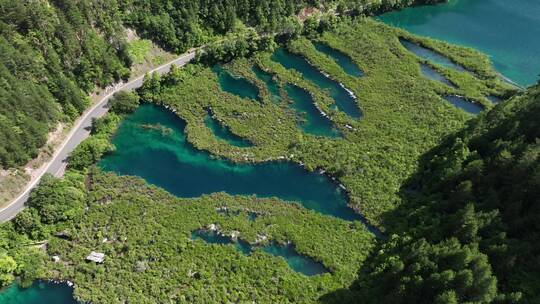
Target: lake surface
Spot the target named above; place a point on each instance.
(467, 106)
(296, 261)
(430, 55)
(235, 85)
(311, 120)
(433, 74)
(169, 161)
(222, 132)
(270, 83)
(40, 292)
(343, 60)
(506, 30)
(344, 100)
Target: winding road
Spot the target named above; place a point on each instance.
(80, 131)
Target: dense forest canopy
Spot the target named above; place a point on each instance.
(55, 52)
(469, 230)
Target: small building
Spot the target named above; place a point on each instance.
(96, 257)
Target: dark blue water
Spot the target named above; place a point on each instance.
(431, 73)
(296, 261)
(236, 85)
(465, 105)
(271, 84)
(222, 132)
(172, 163)
(344, 101)
(310, 119)
(343, 60)
(430, 55)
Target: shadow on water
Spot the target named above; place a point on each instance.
(343, 60)
(310, 119)
(344, 100)
(296, 261)
(187, 172)
(271, 84)
(235, 85)
(462, 103)
(222, 132)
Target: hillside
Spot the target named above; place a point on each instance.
(469, 228)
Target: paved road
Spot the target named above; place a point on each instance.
(80, 131)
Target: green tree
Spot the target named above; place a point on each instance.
(7, 267)
(124, 102)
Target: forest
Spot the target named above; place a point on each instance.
(470, 215)
(456, 197)
(54, 53)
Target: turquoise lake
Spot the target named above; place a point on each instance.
(344, 61)
(186, 172)
(40, 292)
(296, 261)
(508, 31)
(236, 85)
(311, 120)
(222, 132)
(342, 98)
(270, 83)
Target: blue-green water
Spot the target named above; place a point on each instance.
(271, 84)
(222, 132)
(296, 261)
(39, 293)
(431, 73)
(235, 85)
(343, 60)
(344, 101)
(311, 120)
(184, 171)
(430, 55)
(465, 105)
(506, 30)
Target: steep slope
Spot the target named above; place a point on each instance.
(53, 54)
(469, 231)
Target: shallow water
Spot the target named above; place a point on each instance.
(236, 85)
(506, 30)
(271, 84)
(343, 60)
(344, 101)
(430, 55)
(433, 74)
(186, 172)
(296, 261)
(467, 106)
(312, 120)
(39, 293)
(222, 132)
